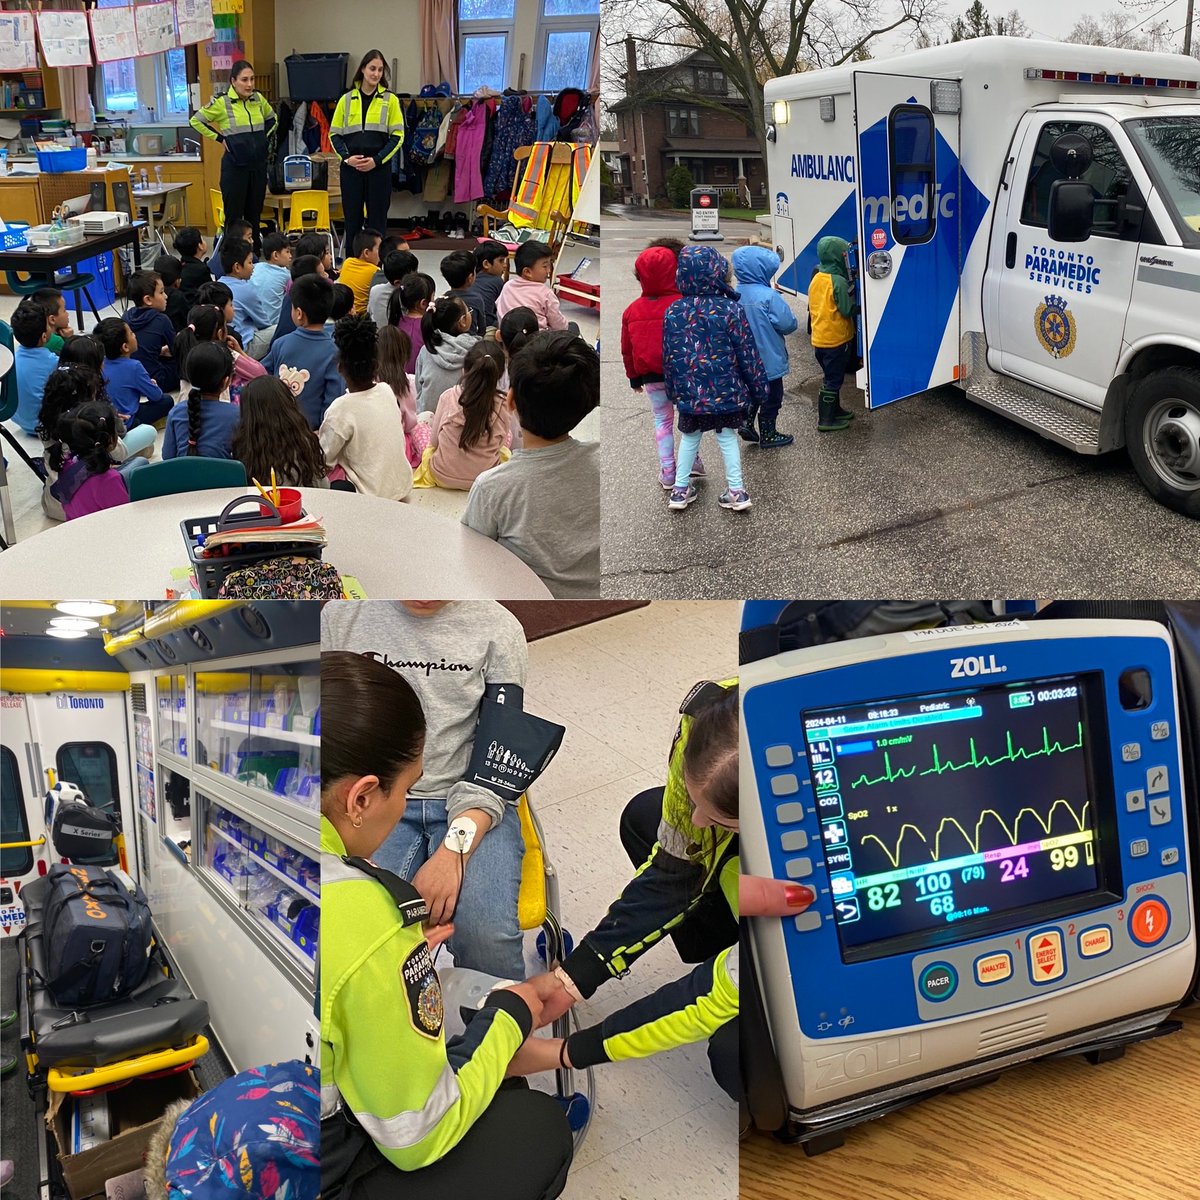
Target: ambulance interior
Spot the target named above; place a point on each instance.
(194, 729)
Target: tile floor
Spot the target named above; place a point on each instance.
(25, 489)
(662, 1128)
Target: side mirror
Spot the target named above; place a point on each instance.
(1072, 206)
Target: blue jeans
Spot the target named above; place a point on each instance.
(486, 934)
(833, 361)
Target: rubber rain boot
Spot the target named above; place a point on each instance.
(770, 437)
(746, 430)
(827, 419)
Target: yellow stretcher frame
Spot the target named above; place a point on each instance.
(81, 1079)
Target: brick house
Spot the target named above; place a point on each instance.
(657, 127)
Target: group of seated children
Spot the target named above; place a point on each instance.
(277, 367)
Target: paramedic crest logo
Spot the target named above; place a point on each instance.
(1055, 326)
(423, 992)
(781, 205)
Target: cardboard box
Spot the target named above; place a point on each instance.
(134, 1112)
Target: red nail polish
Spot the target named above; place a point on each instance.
(797, 894)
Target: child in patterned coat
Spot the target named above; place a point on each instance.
(712, 370)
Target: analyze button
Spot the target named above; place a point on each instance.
(994, 968)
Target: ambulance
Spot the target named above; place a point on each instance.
(1025, 220)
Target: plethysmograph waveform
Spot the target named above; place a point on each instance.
(1013, 754)
(893, 855)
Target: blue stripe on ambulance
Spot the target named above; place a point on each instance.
(841, 224)
(926, 283)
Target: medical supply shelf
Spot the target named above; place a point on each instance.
(245, 734)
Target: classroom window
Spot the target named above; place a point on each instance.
(93, 767)
(568, 31)
(683, 122)
(910, 151)
(120, 84)
(14, 825)
(485, 31)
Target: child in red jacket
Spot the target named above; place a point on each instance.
(642, 346)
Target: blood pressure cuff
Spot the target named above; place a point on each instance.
(512, 748)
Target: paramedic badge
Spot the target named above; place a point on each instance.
(422, 992)
(781, 205)
(1055, 326)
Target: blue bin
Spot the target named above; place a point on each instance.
(104, 290)
(54, 162)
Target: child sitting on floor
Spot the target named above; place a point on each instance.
(272, 275)
(167, 269)
(358, 271)
(193, 261)
(134, 395)
(406, 308)
(305, 359)
(204, 425)
(363, 431)
(88, 480)
(34, 361)
(59, 321)
(155, 335)
(529, 286)
(252, 323)
(469, 432)
(273, 434)
(393, 359)
(544, 504)
(396, 265)
(207, 324)
(446, 329)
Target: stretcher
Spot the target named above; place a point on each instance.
(156, 1029)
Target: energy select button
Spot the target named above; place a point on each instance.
(939, 981)
(1046, 956)
(1149, 921)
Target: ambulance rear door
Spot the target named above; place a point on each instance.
(20, 811)
(917, 215)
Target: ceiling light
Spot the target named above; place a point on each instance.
(86, 608)
(74, 623)
(67, 633)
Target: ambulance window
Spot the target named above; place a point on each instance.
(910, 146)
(1108, 174)
(93, 766)
(14, 825)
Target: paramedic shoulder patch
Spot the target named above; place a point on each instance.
(422, 992)
(1055, 326)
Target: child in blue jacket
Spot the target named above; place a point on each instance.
(770, 321)
(712, 370)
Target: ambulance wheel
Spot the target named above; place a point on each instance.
(1162, 434)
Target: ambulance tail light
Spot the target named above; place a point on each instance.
(1112, 79)
(945, 96)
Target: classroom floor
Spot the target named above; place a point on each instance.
(662, 1129)
(25, 489)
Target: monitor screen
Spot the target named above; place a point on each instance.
(944, 810)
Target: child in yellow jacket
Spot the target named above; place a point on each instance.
(831, 312)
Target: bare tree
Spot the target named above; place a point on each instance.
(1012, 24)
(750, 40)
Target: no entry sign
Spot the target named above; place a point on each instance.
(706, 215)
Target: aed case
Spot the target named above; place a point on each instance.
(994, 820)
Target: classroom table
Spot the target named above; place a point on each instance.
(1059, 1129)
(392, 549)
(49, 262)
(148, 197)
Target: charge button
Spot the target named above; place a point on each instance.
(1095, 942)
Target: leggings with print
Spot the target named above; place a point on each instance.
(664, 427)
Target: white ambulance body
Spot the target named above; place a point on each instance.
(949, 168)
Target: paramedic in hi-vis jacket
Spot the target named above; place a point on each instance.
(367, 132)
(684, 839)
(244, 123)
(404, 1112)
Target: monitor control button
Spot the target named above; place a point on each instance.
(799, 868)
(780, 756)
(1095, 942)
(794, 839)
(1170, 856)
(1160, 810)
(1139, 848)
(789, 814)
(1157, 780)
(1160, 731)
(1046, 956)
(1131, 752)
(808, 921)
(994, 968)
(1135, 800)
(785, 785)
(1149, 921)
(938, 982)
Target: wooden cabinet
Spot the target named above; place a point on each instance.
(20, 199)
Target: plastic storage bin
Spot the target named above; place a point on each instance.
(54, 162)
(104, 290)
(316, 76)
(13, 238)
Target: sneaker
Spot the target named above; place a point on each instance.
(699, 470)
(681, 497)
(8, 1169)
(667, 479)
(736, 499)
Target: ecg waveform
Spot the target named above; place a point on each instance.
(891, 774)
(1080, 820)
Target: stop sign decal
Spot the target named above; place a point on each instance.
(705, 201)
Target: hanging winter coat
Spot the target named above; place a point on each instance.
(515, 127)
(468, 178)
(547, 122)
(425, 136)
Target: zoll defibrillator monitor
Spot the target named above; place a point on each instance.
(993, 820)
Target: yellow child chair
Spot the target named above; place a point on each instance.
(537, 908)
(309, 213)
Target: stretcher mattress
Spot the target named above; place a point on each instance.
(159, 1014)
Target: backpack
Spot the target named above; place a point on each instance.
(97, 932)
(79, 831)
